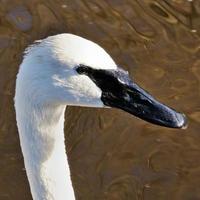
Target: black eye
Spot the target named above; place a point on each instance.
(82, 69)
(106, 80)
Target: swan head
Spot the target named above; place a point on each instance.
(70, 70)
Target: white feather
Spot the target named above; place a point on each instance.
(46, 83)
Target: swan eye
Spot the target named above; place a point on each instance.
(82, 69)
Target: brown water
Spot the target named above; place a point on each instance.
(113, 155)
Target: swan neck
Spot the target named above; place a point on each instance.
(41, 130)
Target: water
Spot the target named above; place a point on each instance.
(113, 155)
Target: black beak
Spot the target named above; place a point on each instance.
(119, 91)
(138, 102)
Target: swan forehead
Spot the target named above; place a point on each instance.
(73, 50)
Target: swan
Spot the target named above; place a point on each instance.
(68, 70)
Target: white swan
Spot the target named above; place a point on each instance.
(69, 70)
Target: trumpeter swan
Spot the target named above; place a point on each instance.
(69, 70)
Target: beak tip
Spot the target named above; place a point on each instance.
(183, 122)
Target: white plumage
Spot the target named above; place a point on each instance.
(46, 83)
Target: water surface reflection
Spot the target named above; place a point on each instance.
(121, 158)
